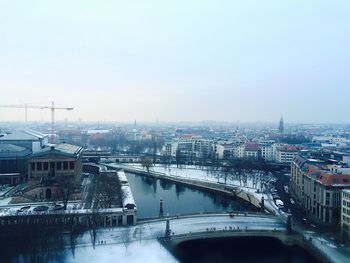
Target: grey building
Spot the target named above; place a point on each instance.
(50, 169)
(32, 140)
(13, 163)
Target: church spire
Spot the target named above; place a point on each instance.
(281, 125)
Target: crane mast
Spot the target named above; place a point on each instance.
(51, 107)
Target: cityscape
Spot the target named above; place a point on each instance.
(96, 178)
(151, 131)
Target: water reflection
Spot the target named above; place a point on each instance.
(178, 199)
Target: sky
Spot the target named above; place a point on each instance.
(246, 61)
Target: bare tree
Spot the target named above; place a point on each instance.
(147, 163)
(226, 170)
(126, 237)
(106, 190)
(68, 184)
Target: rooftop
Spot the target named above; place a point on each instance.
(23, 136)
(61, 149)
(290, 148)
(252, 147)
(10, 148)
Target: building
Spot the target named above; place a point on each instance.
(252, 151)
(286, 153)
(267, 151)
(345, 214)
(13, 163)
(281, 126)
(189, 148)
(225, 151)
(32, 140)
(50, 167)
(317, 187)
(71, 136)
(239, 150)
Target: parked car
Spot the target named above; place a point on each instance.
(41, 208)
(279, 203)
(23, 208)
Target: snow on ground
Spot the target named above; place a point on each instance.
(195, 173)
(333, 252)
(146, 251)
(5, 188)
(200, 223)
(5, 201)
(128, 198)
(139, 243)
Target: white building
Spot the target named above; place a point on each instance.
(190, 147)
(267, 151)
(239, 150)
(345, 214)
(225, 151)
(251, 151)
(285, 154)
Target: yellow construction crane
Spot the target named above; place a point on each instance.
(52, 108)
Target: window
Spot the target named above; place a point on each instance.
(39, 166)
(71, 165)
(46, 166)
(65, 165)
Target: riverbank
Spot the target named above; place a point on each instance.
(206, 182)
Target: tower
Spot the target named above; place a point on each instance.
(281, 126)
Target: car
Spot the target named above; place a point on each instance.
(23, 208)
(58, 207)
(279, 203)
(41, 208)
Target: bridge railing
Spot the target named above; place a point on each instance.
(201, 214)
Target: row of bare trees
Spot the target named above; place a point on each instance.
(106, 190)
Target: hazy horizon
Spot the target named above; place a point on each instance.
(117, 61)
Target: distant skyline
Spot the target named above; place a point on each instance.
(226, 61)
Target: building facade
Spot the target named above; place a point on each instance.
(345, 214)
(51, 167)
(32, 140)
(286, 154)
(13, 163)
(317, 189)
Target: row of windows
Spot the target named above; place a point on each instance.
(346, 211)
(346, 219)
(44, 166)
(345, 203)
(346, 195)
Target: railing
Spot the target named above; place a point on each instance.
(203, 214)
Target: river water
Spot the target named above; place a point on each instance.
(178, 199)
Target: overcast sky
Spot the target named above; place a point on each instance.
(177, 60)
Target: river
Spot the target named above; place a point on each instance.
(178, 199)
